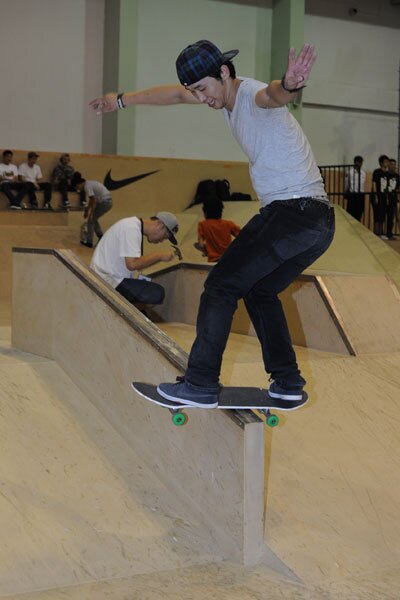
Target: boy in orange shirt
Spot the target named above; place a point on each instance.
(214, 233)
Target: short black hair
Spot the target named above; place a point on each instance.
(8, 153)
(231, 67)
(213, 208)
(358, 158)
(382, 158)
(77, 178)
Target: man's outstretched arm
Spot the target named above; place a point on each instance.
(280, 93)
(163, 95)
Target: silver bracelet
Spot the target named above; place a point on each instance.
(120, 102)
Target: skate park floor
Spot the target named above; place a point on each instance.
(65, 471)
(76, 504)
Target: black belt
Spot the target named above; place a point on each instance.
(302, 203)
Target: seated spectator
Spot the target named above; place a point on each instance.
(31, 174)
(63, 180)
(214, 233)
(355, 188)
(100, 202)
(119, 254)
(9, 181)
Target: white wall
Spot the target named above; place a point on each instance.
(50, 68)
(165, 28)
(53, 66)
(357, 67)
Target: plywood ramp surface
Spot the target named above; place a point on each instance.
(332, 468)
(77, 504)
(369, 309)
(225, 581)
(334, 483)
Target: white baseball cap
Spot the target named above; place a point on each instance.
(171, 223)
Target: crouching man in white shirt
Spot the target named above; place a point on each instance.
(119, 254)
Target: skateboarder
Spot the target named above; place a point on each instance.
(100, 202)
(293, 228)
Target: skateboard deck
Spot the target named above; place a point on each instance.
(230, 398)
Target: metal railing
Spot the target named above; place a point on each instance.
(334, 180)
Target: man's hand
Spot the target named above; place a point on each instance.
(167, 256)
(105, 104)
(299, 69)
(177, 252)
(88, 215)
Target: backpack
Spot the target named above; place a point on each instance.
(239, 197)
(211, 190)
(223, 189)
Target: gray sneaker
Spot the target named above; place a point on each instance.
(186, 393)
(285, 396)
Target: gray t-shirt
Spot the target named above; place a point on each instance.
(98, 190)
(282, 165)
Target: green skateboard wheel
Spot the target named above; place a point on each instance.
(179, 419)
(272, 420)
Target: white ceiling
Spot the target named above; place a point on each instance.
(377, 12)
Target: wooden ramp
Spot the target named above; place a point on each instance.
(332, 469)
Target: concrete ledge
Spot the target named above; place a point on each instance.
(28, 217)
(215, 464)
(313, 319)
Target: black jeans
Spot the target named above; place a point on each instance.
(391, 213)
(355, 204)
(20, 188)
(44, 186)
(268, 254)
(142, 291)
(64, 186)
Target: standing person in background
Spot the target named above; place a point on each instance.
(355, 188)
(100, 202)
(393, 196)
(63, 180)
(379, 195)
(31, 174)
(215, 233)
(393, 165)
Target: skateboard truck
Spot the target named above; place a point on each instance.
(180, 418)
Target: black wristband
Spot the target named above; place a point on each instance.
(120, 102)
(291, 91)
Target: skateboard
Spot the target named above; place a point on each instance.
(230, 398)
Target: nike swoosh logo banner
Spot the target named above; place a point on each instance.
(116, 185)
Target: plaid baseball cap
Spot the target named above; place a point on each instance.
(199, 60)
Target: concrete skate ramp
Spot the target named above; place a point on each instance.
(213, 468)
(77, 503)
(332, 478)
